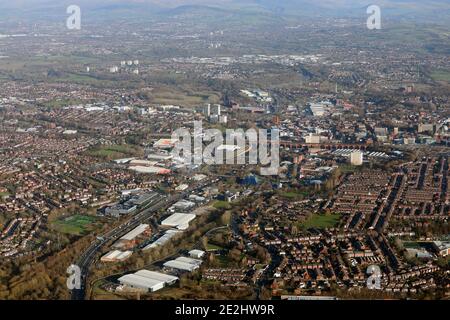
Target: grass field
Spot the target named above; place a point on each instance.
(441, 75)
(183, 95)
(348, 168)
(222, 205)
(114, 152)
(295, 194)
(321, 221)
(4, 194)
(213, 247)
(75, 225)
(411, 244)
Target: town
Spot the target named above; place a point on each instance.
(91, 173)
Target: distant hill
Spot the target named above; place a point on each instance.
(426, 9)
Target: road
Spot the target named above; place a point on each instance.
(87, 257)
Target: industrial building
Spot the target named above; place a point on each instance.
(150, 170)
(147, 280)
(116, 256)
(442, 248)
(136, 232)
(162, 240)
(183, 264)
(120, 209)
(196, 254)
(178, 220)
(168, 279)
(165, 143)
(182, 205)
(129, 239)
(356, 158)
(317, 109)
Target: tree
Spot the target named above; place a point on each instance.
(204, 241)
(226, 218)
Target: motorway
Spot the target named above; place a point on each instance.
(87, 257)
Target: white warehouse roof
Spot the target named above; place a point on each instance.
(162, 240)
(135, 232)
(153, 169)
(167, 279)
(137, 281)
(174, 264)
(179, 220)
(196, 253)
(194, 262)
(116, 255)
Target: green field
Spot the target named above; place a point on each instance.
(294, 194)
(188, 99)
(4, 194)
(441, 75)
(348, 168)
(321, 221)
(213, 247)
(114, 152)
(222, 205)
(75, 225)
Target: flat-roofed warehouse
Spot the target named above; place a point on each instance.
(168, 279)
(195, 262)
(129, 239)
(179, 220)
(198, 254)
(116, 255)
(147, 280)
(136, 232)
(183, 264)
(162, 240)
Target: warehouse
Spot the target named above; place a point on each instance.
(162, 240)
(130, 239)
(133, 234)
(165, 143)
(182, 205)
(179, 220)
(140, 282)
(180, 266)
(150, 170)
(116, 256)
(198, 254)
(147, 280)
(192, 261)
(168, 279)
(183, 264)
(143, 163)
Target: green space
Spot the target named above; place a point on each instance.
(321, 221)
(441, 75)
(213, 247)
(222, 205)
(411, 244)
(113, 152)
(183, 95)
(348, 168)
(294, 194)
(222, 261)
(4, 194)
(75, 225)
(86, 79)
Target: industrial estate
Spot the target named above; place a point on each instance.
(358, 205)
